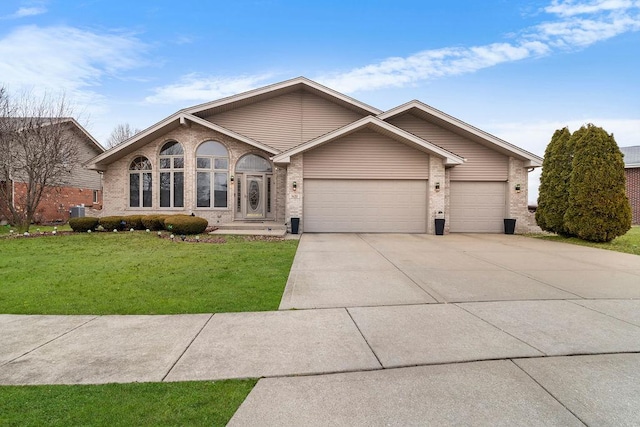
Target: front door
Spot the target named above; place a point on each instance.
(253, 196)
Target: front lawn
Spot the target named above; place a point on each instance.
(139, 273)
(137, 404)
(629, 243)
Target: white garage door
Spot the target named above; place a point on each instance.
(477, 207)
(365, 206)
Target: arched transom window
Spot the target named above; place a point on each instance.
(212, 175)
(253, 163)
(172, 175)
(140, 195)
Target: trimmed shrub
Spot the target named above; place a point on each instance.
(599, 209)
(133, 221)
(185, 224)
(153, 222)
(553, 198)
(83, 224)
(110, 223)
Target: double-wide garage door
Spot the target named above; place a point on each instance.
(365, 206)
(477, 207)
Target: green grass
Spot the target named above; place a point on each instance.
(629, 243)
(137, 404)
(138, 273)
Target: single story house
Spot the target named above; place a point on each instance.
(632, 175)
(298, 149)
(82, 187)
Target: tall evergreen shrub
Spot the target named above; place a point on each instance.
(553, 198)
(598, 208)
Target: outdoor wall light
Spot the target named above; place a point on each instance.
(518, 187)
(231, 178)
(294, 185)
(437, 186)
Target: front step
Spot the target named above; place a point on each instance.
(260, 228)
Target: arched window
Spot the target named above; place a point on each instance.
(253, 163)
(172, 175)
(140, 183)
(212, 172)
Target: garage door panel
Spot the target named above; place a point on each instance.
(477, 207)
(367, 206)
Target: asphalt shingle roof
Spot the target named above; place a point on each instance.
(631, 155)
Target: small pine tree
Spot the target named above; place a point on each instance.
(598, 209)
(553, 198)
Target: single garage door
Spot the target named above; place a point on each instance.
(365, 206)
(477, 207)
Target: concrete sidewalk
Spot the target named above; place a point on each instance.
(103, 349)
(504, 335)
(363, 365)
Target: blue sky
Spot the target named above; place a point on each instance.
(519, 70)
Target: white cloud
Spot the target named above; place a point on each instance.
(534, 137)
(66, 58)
(571, 8)
(26, 11)
(579, 24)
(197, 87)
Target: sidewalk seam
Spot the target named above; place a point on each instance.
(50, 341)
(548, 392)
(173, 365)
(364, 338)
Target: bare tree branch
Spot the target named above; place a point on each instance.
(38, 150)
(120, 133)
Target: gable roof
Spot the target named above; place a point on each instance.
(170, 123)
(631, 156)
(448, 122)
(278, 89)
(380, 126)
(49, 121)
(196, 114)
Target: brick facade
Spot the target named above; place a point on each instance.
(633, 193)
(437, 198)
(116, 178)
(57, 201)
(294, 196)
(517, 199)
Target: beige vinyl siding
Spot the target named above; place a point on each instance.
(81, 177)
(366, 155)
(287, 120)
(482, 163)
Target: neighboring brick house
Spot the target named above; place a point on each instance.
(298, 149)
(632, 174)
(83, 187)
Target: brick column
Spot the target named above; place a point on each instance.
(518, 203)
(437, 202)
(294, 197)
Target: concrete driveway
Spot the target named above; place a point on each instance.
(399, 330)
(361, 270)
